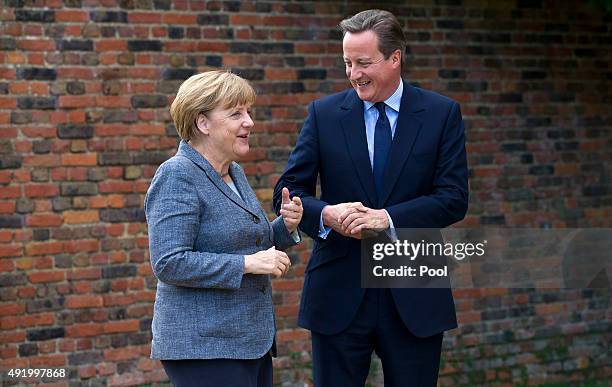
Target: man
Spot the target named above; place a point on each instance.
(388, 156)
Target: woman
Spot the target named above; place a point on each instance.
(211, 245)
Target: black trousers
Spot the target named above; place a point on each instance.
(344, 359)
(220, 372)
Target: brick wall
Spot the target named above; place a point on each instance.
(84, 122)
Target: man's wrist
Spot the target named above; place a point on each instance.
(325, 215)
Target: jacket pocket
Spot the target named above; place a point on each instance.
(327, 251)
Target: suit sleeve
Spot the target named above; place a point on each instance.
(282, 237)
(173, 212)
(301, 173)
(448, 201)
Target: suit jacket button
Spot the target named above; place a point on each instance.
(256, 219)
(258, 242)
(263, 289)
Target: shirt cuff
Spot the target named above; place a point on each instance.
(323, 230)
(296, 236)
(391, 233)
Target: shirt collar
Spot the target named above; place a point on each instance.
(394, 101)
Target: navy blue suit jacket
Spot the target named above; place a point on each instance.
(424, 186)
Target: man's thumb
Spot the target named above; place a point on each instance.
(285, 195)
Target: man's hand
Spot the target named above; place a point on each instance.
(357, 218)
(331, 214)
(291, 210)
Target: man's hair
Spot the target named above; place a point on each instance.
(202, 93)
(384, 24)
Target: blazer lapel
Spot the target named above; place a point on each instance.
(355, 135)
(241, 182)
(187, 151)
(409, 123)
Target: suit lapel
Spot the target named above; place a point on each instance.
(245, 190)
(355, 135)
(187, 151)
(409, 123)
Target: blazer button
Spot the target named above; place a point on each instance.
(258, 242)
(263, 289)
(256, 219)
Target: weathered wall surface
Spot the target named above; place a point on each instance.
(85, 87)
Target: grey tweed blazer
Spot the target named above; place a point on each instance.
(199, 232)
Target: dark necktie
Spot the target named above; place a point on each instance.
(382, 145)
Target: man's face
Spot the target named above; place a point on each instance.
(372, 76)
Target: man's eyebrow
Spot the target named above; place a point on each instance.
(366, 59)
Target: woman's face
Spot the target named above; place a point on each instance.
(228, 130)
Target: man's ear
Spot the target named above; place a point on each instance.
(202, 124)
(396, 57)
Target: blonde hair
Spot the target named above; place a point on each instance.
(201, 93)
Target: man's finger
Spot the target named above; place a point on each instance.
(286, 195)
(346, 213)
(358, 222)
(349, 219)
(290, 207)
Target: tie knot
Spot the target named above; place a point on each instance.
(381, 107)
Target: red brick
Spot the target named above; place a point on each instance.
(283, 285)
(41, 160)
(122, 326)
(118, 300)
(71, 16)
(173, 18)
(249, 20)
(15, 363)
(12, 337)
(47, 361)
(111, 45)
(6, 265)
(292, 335)
(46, 220)
(84, 330)
(10, 192)
(87, 371)
(8, 352)
(43, 248)
(144, 17)
(7, 207)
(39, 131)
(72, 159)
(12, 309)
(87, 301)
(548, 309)
(80, 246)
(70, 101)
(36, 45)
(147, 130)
(116, 187)
(121, 354)
(41, 190)
(8, 103)
(113, 102)
(81, 217)
(46, 276)
(77, 73)
(39, 319)
(10, 322)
